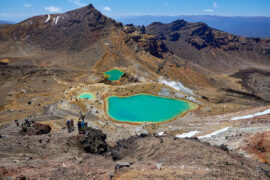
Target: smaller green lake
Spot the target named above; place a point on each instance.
(114, 75)
(86, 95)
(145, 108)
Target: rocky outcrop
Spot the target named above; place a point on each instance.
(120, 165)
(36, 129)
(259, 146)
(138, 39)
(147, 43)
(128, 78)
(94, 141)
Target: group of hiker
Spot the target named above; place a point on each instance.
(70, 124)
(81, 124)
(26, 123)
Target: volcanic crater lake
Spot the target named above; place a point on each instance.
(114, 75)
(146, 108)
(86, 95)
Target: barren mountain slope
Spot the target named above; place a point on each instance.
(47, 61)
(211, 48)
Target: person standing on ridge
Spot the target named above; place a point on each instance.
(83, 127)
(79, 124)
(27, 122)
(68, 125)
(17, 123)
(72, 125)
(82, 116)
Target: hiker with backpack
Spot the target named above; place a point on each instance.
(68, 125)
(79, 124)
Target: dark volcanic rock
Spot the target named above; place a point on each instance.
(22, 177)
(94, 141)
(37, 129)
(129, 78)
(118, 152)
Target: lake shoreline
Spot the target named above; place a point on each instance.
(192, 107)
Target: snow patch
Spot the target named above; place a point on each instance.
(139, 130)
(56, 21)
(251, 115)
(177, 85)
(159, 165)
(160, 133)
(186, 135)
(53, 21)
(48, 18)
(94, 111)
(215, 133)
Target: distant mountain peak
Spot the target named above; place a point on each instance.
(72, 30)
(83, 10)
(243, 26)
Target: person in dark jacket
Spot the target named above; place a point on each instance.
(82, 116)
(83, 127)
(68, 125)
(79, 124)
(17, 123)
(27, 122)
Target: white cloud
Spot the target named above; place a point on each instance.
(208, 10)
(215, 5)
(107, 8)
(27, 5)
(52, 9)
(77, 2)
(5, 14)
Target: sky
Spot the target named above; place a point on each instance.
(18, 10)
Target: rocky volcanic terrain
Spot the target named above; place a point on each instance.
(47, 61)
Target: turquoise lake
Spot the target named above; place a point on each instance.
(145, 108)
(86, 95)
(114, 75)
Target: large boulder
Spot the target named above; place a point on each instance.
(36, 129)
(94, 141)
(120, 165)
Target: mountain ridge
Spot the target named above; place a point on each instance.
(158, 49)
(238, 25)
(180, 36)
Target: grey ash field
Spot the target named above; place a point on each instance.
(47, 61)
